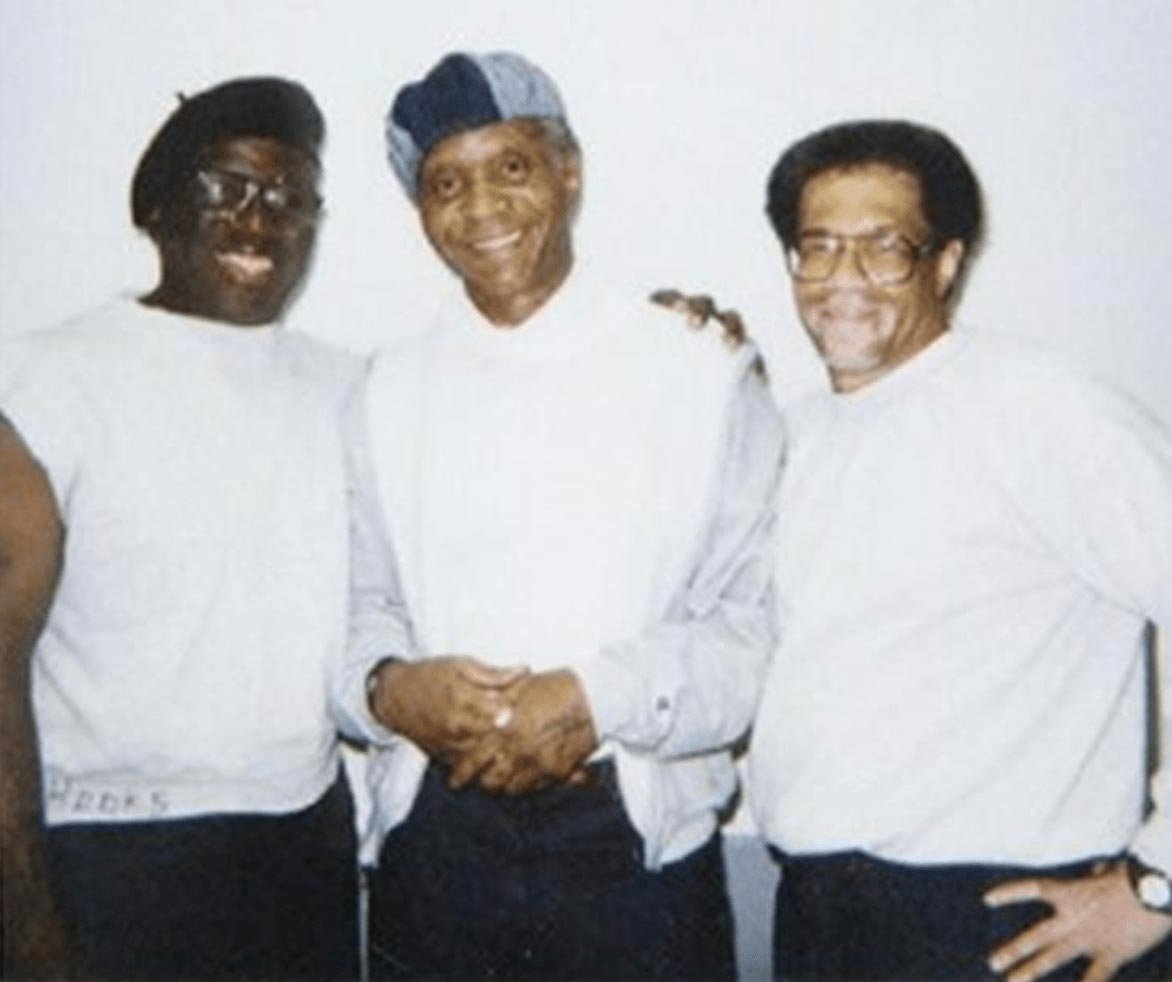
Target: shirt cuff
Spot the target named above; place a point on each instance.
(621, 706)
(358, 721)
(610, 690)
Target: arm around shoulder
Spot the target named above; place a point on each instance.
(690, 684)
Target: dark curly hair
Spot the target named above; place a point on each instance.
(247, 107)
(949, 192)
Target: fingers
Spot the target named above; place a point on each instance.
(488, 676)
(483, 696)
(734, 327)
(472, 713)
(581, 777)
(1025, 945)
(697, 310)
(497, 764)
(700, 310)
(512, 774)
(474, 762)
(1013, 892)
(1099, 970)
(668, 298)
(526, 781)
(497, 767)
(1042, 964)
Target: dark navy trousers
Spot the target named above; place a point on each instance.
(545, 887)
(851, 916)
(216, 897)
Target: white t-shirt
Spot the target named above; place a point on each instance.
(199, 471)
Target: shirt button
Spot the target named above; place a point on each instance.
(662, 704)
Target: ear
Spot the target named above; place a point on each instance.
(948, 267)
(571, 170)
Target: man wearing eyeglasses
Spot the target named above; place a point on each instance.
(949, 755)
(173, 514)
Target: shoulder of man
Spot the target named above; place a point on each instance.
(402, 354)
(1028, 375)
(83, 336)
(329, 363)
(1035, 408)
(397, 375)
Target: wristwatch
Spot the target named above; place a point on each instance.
(1151, 886)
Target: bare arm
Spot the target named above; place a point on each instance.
(31, 537)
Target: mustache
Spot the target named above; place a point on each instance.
(233, 241)
(847, 306)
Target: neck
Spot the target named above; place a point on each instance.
(178, 302)
(512, 309)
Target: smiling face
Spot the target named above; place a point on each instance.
(863, 331)
(235, 241)
(497, 204)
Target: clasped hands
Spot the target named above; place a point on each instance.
(508, 730)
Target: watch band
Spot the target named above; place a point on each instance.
(1151, 886)
(372, 678)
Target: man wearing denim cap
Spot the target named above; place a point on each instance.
(579, 495)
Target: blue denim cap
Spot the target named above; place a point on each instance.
(462, 92)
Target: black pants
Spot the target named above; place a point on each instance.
(217, 897)
(546, 886)
(850, 916)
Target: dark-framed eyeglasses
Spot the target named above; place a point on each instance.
(885, 258)
(229, 194)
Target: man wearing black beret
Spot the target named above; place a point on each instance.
(173, 586)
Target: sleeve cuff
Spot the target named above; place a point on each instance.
(357, 721)
(623, 706)
(611, 693)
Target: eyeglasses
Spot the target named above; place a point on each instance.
(230, 194)
(885, 258)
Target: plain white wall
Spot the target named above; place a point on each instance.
(681, 106)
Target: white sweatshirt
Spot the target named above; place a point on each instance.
(968, 551)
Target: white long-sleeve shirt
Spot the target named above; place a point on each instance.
(594, 489)
(968, 551)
